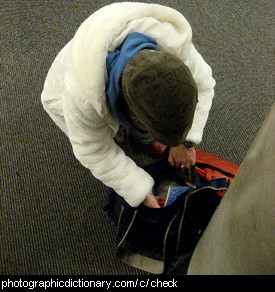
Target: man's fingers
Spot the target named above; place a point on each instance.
(151, 201)
(178, 164)
(188, 164)
(171, 161)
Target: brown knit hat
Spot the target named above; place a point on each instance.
(160, 89)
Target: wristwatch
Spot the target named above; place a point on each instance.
(188, 144)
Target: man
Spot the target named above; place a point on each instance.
(111, 75)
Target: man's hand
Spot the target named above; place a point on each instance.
(151, 201)
(182, 157)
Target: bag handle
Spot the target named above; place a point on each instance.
(141, 262)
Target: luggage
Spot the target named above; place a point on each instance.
(162, 241)
(209, 166)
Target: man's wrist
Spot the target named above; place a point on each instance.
(188, 144)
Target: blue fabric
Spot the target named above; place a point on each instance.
(116, 63)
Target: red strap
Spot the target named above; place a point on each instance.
(217, 162)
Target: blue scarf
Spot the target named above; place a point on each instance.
(116, 63)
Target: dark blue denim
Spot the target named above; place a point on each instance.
(172, 231)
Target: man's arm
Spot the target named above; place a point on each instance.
(94, 147)
(202, 74)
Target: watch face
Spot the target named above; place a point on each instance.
(188, 144)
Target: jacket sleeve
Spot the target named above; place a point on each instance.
(202, 75)
(93, 145)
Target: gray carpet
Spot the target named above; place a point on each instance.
(51, 207)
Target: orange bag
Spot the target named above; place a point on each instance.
(209, 166)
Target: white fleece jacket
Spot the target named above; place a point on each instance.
(74, 90)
